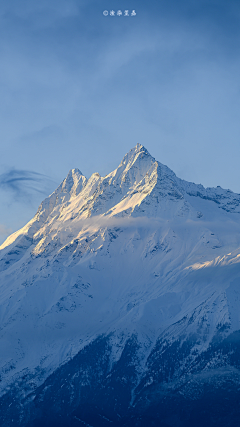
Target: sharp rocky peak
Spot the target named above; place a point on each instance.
(137, 151)
(136, 165)
(73, 183)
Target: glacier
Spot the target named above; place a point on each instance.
(120, 303)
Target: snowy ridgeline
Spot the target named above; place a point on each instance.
(139, 253)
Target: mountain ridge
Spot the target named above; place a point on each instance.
(154, 174)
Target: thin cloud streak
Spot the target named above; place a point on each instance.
(24, 184)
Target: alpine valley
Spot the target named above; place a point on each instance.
(120, 304)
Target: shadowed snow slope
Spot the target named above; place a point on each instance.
(120, 297)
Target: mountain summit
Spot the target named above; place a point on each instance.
(120, 303)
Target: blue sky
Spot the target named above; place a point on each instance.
(78, 89)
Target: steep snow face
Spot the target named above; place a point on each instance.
(138, 251)
(71, 186)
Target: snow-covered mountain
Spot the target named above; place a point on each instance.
(120, 303)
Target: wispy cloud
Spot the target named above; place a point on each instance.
(24, 184)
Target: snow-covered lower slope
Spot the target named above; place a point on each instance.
(138, 258)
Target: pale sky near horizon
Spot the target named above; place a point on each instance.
(80, 89)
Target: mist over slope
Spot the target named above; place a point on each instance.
(120, 303)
